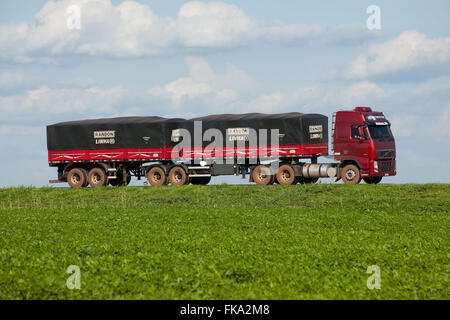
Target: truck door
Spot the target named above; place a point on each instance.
(359, 147)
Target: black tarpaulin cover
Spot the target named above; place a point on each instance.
(157, 132)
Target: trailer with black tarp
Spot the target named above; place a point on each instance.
(157, 138)
(101, 151)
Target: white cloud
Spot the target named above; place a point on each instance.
(404, 125)
(45, 100)
(269, 102)
(183, 87)
(408, 51)
(213, 24)
(131, 29)
(282, 101)
(362, 93)
(321, 98)
(204, 82)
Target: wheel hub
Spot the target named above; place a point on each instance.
(263, 174)
(350, 174)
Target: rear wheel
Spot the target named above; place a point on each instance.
(178, 177)
(157, 176)
(286, 175)
(77, 178)
(350, 174)
(201, 181)
(97, 178)
(374, 180)
(263, 175)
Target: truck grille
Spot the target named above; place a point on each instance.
(386, 166)
(387, 153)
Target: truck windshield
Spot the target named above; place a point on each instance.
(381, 133)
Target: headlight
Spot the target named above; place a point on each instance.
(375, 166)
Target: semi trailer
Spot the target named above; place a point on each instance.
(268, 148)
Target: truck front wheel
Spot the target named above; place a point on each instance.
(350, 174)
(374, 180)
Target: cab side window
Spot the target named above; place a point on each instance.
(354, 133)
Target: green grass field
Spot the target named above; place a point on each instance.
(226, 242)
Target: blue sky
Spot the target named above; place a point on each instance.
(188, 58)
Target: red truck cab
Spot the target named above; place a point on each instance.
(364, 145)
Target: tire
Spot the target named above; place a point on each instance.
(97, 178)
(374, 180)
(200, 181)
(350, 174)
(157, 176)
(286, 175)
(262, 175)
(86, 182)
(178, 177)
(77, 178)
